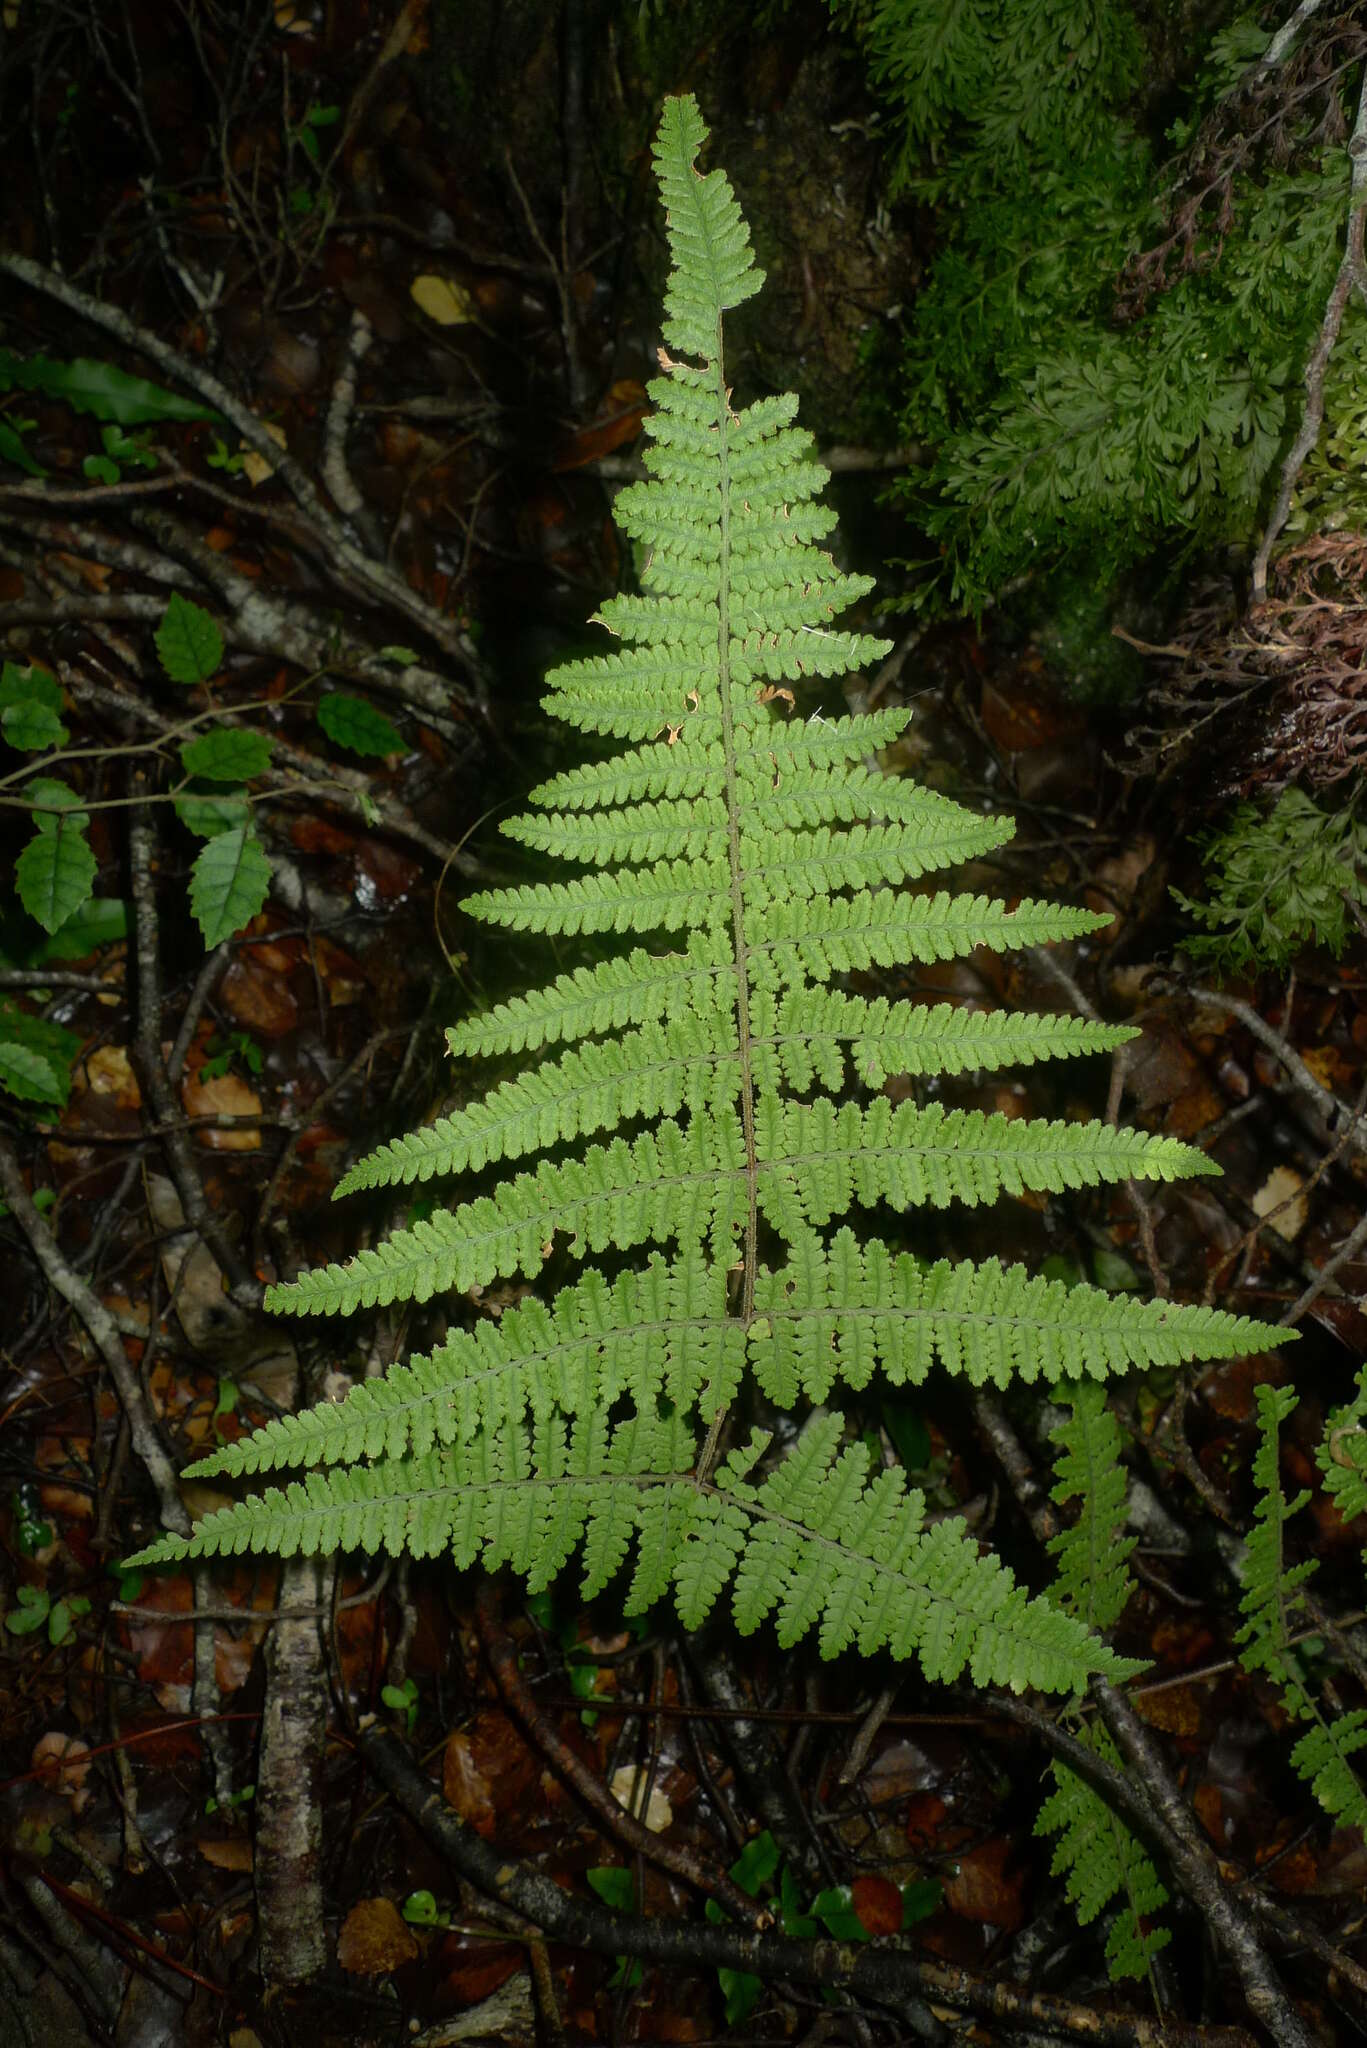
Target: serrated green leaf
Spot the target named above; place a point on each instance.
(208, 816)
(29, 686)
(100, 469)
(55, 805)
(229, 883)
(189, 644)
(35, 1056)
(352, 723)
(227, 754)
(28, 1076)
(32, 728)
(99, 388)
(55, 873)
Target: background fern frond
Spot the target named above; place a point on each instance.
(1090, 1552)
(1103, 1865)
(1268, 1637)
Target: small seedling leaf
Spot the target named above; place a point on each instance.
(756, 1864)
(31, 1612)
(615, 1886)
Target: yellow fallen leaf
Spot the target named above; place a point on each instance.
(108, 1071)
(222, 1095)
(62, 1762)
(450, 305)
(627, 1787)
(255, 467)
(1283, 1185)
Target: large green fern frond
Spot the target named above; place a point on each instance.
(706, 1136)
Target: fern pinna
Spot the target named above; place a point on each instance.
(707, 1112)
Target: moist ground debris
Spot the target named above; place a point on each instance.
(324, 339)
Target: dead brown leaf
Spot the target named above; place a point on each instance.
(375, 1939)
(259, 999)
(488, 1770)
(63, 1763)
(108, 1071)
(225, 1852)
(222, 1095)
(983, 1889)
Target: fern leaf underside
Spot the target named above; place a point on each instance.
(707, 1113)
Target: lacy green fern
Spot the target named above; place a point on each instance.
(1278, 882)
(1100, 1859)
(705, 1134)
(1323, 1755)
(1080, 429)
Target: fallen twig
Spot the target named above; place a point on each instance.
(384, 583)
(889, 1974)
(501, 1651)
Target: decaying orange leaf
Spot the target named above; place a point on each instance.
(375, 1939)
(222, 1095)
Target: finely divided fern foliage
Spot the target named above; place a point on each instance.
(703, 1129)
(1103, 1865)
(1271, 1603)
